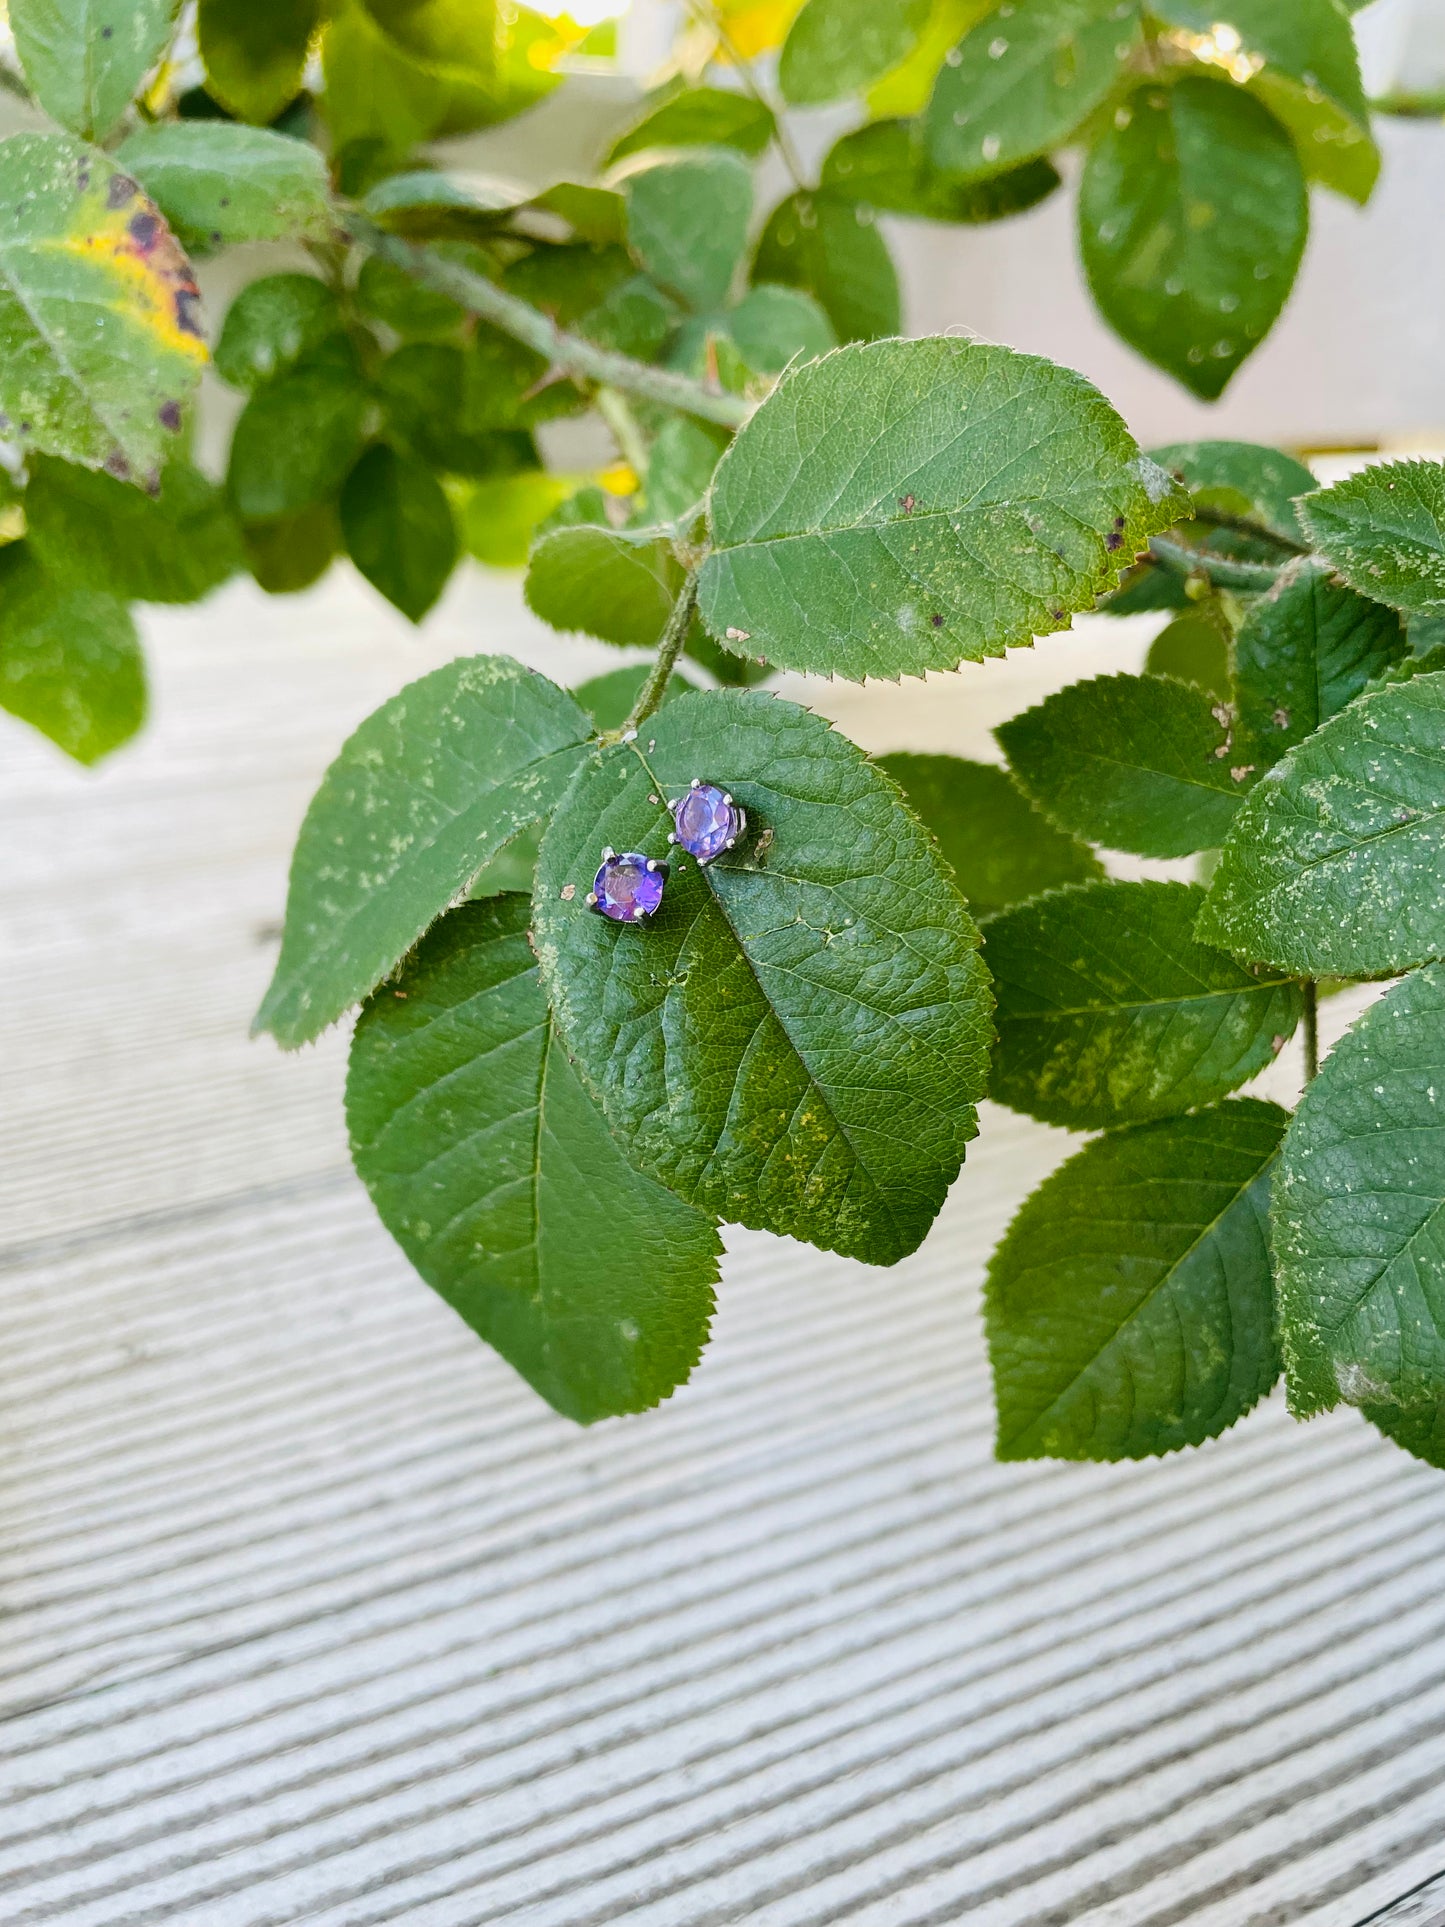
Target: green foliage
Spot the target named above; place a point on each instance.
(428, 788)
(398, 528)
(85, 58)
(1020, 83)
(100, 344)
(1333, 865)
(1304, 651)
(886, 167)
(70, 663)
(828, 245)
(1137, 763)
(798, 1039)
(687, 219)
(299, 434)
(1356, 1220)
(101, 534)
(698, 117)
(1021, 852)
(217, 182)
(1129, 1308)
(973, 498)
(1384, 530)
(617, 585)
(1192, 221)
(1302, 64)
(1192, 648)
(271, 324)
(496, 1174)
(837, 47)
(1109, 1012)
(254, 52)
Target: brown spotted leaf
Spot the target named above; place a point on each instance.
(100, 339)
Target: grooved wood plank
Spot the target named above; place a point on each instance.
(309, 1611)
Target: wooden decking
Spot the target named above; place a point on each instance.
(309, 1611)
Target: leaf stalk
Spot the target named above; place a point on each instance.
(1219, 570)
(669, 649)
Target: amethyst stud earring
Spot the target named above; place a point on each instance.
(707, 821)
(627, 888)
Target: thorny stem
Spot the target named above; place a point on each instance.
(1312, 1029)
(1224, 573)
(669, 649)
(569, 353)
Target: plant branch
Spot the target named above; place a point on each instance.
(1312, 1029)
(1181, 560)
(1241, 525)
(669, 649)
(782, 140)
(571, 354)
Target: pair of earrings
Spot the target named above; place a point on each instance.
(706, 821)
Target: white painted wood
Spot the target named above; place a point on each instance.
(312, 1613)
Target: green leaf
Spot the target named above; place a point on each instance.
(498, 519)
(774, 327)
(680, 466)
(1192, 648)
(884, 166)
(1192, 222)
(698, 117)
(1416, 1429)
(390, 294)
(398, 528)
(215, 181)
(1136, 763)
(1305, 650)
(733, 672)
(86, 58)
(618, 585)
(970, 499)
(830, 247)
(837, 47)
(609, 699)
(1384, 530)
(687, 219)
(494, 1171)
(427, 789)
(427, 204)
(1333, 866)
(70, 660)
(254, 52)
(426, 392)
(100, 341)
(595, 214)
(1001, 848)
(100, 534)
(1129, 1309)
(288, 555)
(271, 324)
(298, 436)
(1109, 1012)
(1020, 83)
(1300, 61)
(402, 72)
(798, 1038)
(1241, 479)
(1359, 1234)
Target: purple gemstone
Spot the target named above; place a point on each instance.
(626, 889)
(708, 821)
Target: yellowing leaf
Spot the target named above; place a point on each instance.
(100, 336)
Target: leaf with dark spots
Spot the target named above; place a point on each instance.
(99, 322)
